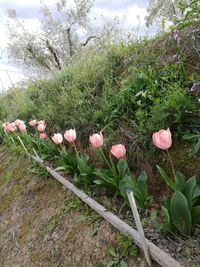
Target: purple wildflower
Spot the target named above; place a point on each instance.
(195, 86)
(176, 35)
(175, 57)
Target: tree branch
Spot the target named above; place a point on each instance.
(52, 51)
(88, 39)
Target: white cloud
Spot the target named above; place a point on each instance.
(26, 3)
(129, 17)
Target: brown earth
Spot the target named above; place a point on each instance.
(43, 224)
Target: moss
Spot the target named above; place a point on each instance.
(9, 196)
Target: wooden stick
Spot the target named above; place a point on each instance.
(139, 226)
(157, 254)
(37, 154)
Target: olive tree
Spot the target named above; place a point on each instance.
(56, 41)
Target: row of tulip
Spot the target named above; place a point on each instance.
(183, 211)
(162, 139)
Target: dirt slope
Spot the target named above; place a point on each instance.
(43, 224)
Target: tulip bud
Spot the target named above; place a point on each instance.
(57, 138)
(96, 140)
(43, 135)
(70, 135)
(33, 123)
(22, 128)
(41, 127)
(18, 122)
(119, 151)
(162, 139)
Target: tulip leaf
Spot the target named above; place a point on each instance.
(142, 185)
(196, 214)
(122, 166)
(189, 190)
(167, 179)
(166, 216)
(179, 181)
(180, 213)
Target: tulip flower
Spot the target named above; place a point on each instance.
(96, 140)
(43, 135)
(19, 122)
(41, 127)
(41, 122)
(119, 151)
(12, 127)
(22, 128)
(6, 126)
(33, 123)
(70, 135)
(57, 138)
(162, 139)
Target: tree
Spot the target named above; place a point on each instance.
(55, 43)
(167, 10)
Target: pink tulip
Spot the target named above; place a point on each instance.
(33, 123)
(12, 127)
(57, 138)
(70, 135)
(41, 122)
(41, 127)
(22, 128)
(18, 122)
(43, 135)
(5, 126)
(119, 151)
(96, 140)
(162, 139)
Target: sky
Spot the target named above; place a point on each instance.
(128, 12)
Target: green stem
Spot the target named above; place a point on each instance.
(106, 160)
(75, 149)
(171, 162)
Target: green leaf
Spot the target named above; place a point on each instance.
(190, 136)
(122, 166)
(110, 264)
(123, 264)
(196, 148)
(61, 168)
(180, 213)
(142, 185)
(166, 216)
(196, 214)
(99, 182)
(168, 180)
(84, 157)
(179, 181)
(80, 218)
(196, 195)
(106, 178)
(111, 250)
(189, 190)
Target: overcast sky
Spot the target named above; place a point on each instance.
(127, 11)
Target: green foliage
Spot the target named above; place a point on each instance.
(195, 136)
(126, 248)
(138, 187)
(181, 210)
(112, 177)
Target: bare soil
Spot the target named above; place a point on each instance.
(43, 224)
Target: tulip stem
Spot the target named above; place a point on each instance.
(75, 149)
(106, 160)
(171, 162)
